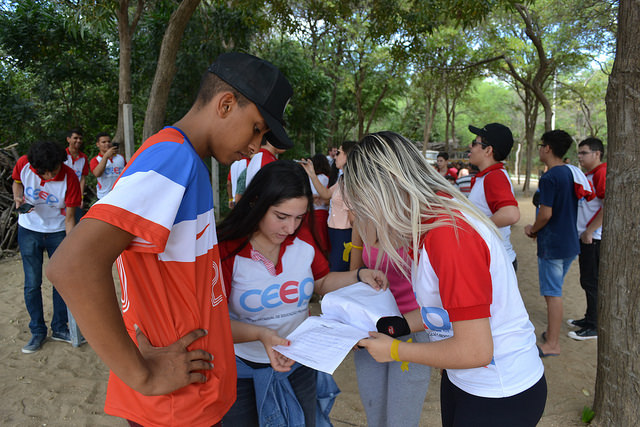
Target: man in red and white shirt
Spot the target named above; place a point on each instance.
(491, 188)
(107, 165)
(590, 214)
(79, 162)
(268, 153)
(42, 180)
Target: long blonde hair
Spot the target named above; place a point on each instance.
(389, 183)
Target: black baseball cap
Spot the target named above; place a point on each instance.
(498, 136)
(263, 84)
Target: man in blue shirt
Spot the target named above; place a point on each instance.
(556, 232)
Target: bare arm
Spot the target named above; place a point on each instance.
(18, 193)
(80, 269)
(356, 249)
(587, 235)
(323, 191)
(102, 165)
(69, 219)
(245, 332)
(543, 217)
(506, 215)
(414, 320)
(339, 279)
(470, 347)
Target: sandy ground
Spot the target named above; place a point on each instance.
(65, 386)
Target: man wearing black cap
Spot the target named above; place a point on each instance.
(491, 188)
(171, 351)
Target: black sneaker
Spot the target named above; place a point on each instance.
(582, 323)
(34, 344)
(584, 334)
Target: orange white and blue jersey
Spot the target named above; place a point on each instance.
(171, 277)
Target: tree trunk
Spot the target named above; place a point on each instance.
(530, 120)
(428, 121)
(125, 35)
(617, 381)
(166, 68)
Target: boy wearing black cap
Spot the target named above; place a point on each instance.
(158, 224)
(491, 188)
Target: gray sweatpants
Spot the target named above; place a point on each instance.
(391, 397)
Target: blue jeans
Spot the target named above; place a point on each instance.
(32, 247)
(551, 274)
(244, 412)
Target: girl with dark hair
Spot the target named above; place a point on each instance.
(339, 220)
(271, 266)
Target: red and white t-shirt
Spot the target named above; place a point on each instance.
(112, 171)
(80, 164)
(234, 172)
(491, 189)
(49, 198)
(279, 301)
(170, 277)
(263, 157)
(324, 180)
(587, 210)
(483, 284)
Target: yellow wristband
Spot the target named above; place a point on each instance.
(394, 350)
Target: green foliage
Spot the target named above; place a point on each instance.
(587, 415)
(355, 65)
(305, 116)
(58, 80)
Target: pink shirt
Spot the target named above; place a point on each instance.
(400, 286)
(338, 212)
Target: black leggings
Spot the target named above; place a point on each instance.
(460, 408)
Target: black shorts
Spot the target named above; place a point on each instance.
(460, 408)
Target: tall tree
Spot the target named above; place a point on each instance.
(617, 381)
(166, 67)
(127, 25)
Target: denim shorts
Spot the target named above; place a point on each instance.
(551, 274)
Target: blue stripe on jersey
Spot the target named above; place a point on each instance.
(180, 163)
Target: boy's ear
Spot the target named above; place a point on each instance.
(226, 102)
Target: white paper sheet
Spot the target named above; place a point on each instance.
(348, 315)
